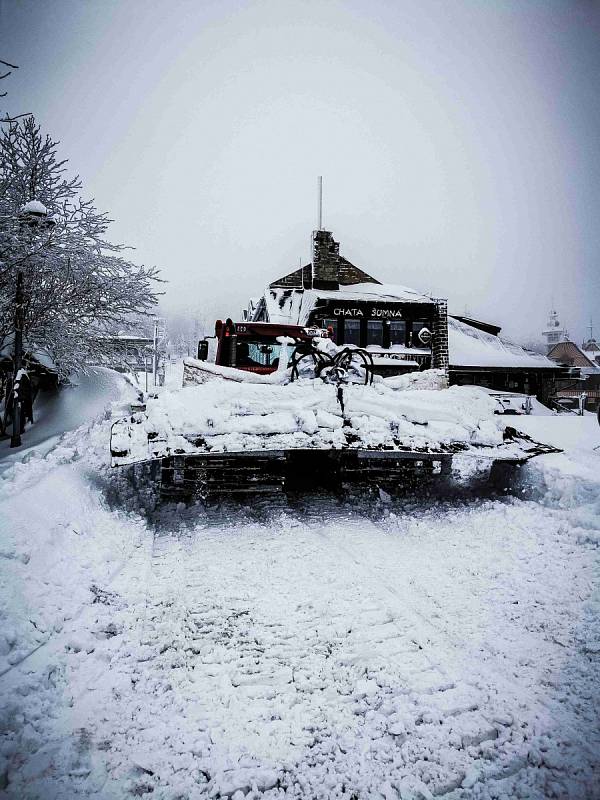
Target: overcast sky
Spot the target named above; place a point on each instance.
(458, 141)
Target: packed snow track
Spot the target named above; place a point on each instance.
(396, 651)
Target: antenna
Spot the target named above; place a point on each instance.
(320, 198)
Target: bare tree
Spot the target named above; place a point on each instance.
(10, 67)
(76, 285)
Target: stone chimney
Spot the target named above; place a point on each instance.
(325, 261)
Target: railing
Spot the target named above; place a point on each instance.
(557, 405)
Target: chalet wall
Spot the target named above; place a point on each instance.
(439, 344)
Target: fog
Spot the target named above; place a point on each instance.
(458, 142)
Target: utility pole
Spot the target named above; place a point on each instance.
(155, 354)
(15, 439)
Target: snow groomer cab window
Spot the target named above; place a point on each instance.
(256, 354)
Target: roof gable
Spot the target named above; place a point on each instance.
(569, 353)
(328, 268)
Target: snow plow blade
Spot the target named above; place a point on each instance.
(185, 476)
(226, 437)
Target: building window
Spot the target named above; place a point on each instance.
(398, 333)
(352, 331)
(416, 327)
(374, 332)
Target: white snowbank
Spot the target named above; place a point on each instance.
(86, 398)
(202, 371)
(428, 379)
(57, 537)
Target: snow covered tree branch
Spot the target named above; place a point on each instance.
(77, 285)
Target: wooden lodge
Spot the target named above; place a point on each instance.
(403, 329)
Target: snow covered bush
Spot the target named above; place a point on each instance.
(76, 284)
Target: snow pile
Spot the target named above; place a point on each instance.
(227, 416)
(53, 548)
(569, 480)
(428, 379)
(200, 372)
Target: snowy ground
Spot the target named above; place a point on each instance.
(79, 403)
(388, 650)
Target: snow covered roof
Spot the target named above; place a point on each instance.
(293, 306)
(34, 207)
(31, 355)
(376, 291)
(289, 306)
(470, 347)
(570, 354)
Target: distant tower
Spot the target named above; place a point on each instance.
(554, 333)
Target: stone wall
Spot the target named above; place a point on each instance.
(439, 344)
(326, 261)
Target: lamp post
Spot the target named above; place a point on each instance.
(33, 215)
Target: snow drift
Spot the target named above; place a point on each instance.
(223, 416)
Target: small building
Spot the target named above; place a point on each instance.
(480, 356)
(125, 351)
(591, 348)
(403, 329)
(585, 367)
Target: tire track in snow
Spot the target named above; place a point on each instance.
(255, 670)
(248, 650)
(497, 675)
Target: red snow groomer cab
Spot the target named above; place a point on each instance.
(250, 346)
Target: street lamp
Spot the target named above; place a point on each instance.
(34, 215)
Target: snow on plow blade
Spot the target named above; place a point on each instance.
(225, 439)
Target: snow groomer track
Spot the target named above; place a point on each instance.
(227, 438)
